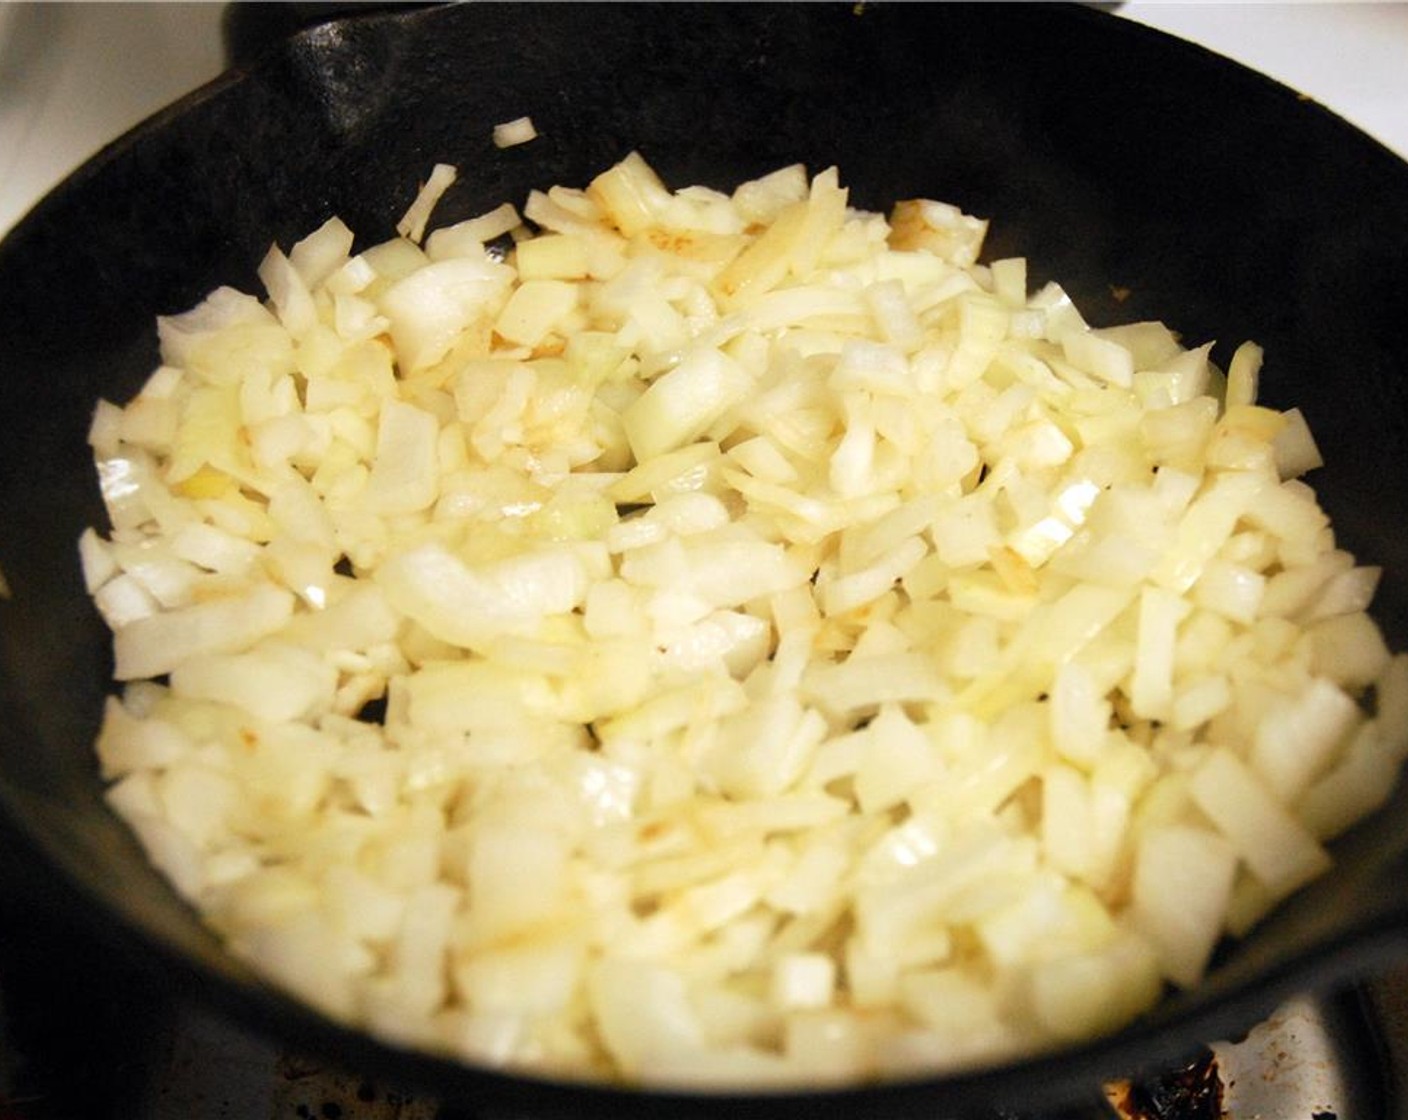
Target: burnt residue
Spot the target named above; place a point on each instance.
(307, 1089)
(1192, 1091)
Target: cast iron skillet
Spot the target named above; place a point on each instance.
(1153, 179)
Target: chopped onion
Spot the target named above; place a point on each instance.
(514, 132)
(721, 640)
(413, 222)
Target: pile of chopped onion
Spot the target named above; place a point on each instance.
(721, 640)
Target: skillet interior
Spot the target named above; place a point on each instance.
(1112, 157)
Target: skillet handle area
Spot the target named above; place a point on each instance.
(250, 27)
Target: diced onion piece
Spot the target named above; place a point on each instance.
(158, 643)
(1349, 650)
(1095, 992)
(553, 256)
(938, 228)
(535, 308)
(320, 254)
(1182, 888)
(1243, 375)
(1151, 687)
(274, 686)
(631, 194)
(430, 308)
(644, 1012)
(469, 605)
(1281, 853)
(1296, 740)
(679, 406)
(288, 291)
(413, 222)
(468, 238)
(1295, 447)
(520, 130)
(405, 475)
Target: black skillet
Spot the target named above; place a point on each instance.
(1153, 179)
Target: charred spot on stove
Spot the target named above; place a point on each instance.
(366, 1092)
(331, 1110)
(1192, 1091)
